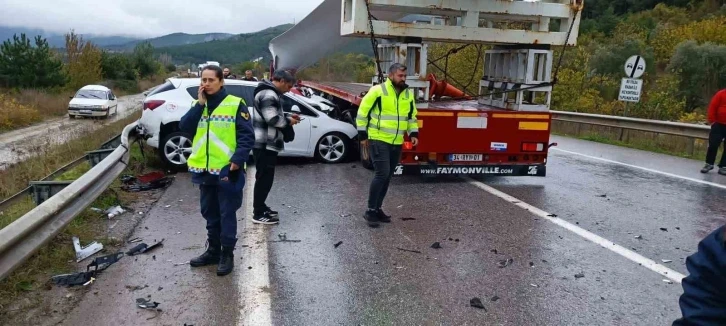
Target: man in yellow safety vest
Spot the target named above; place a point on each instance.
(386, 113)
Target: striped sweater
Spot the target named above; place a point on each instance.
(269, 118)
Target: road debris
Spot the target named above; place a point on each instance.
(552, 215)
(338, 244)
(533, 285)
(87, 251)
(147, 304)
(167, 206)
(407, 250)
(494, 251)
(666, 261)
(505, 262)
(143, 247)
(603, 196)
(668, 281)
(101, 263)
(664, 229)
(345, 215)
(283, 238)
(639, 237)
(149, 181)
(73, 279)
(135, 240)
(476, 303)
(135, 287)
(531, 264)
(436, 245)
(495, 298)
(184, 263)
(114, 211)
(408, 219)
(579, 275)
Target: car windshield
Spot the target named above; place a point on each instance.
(91, 94)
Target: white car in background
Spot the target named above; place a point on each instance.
(317, 135)
(93, 101)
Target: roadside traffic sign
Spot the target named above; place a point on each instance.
(635, 66)
(630, 89)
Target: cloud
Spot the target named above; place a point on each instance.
(150, 18)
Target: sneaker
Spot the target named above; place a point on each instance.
(272, 213)
(722, 171)
(371, 216)
(382, 216)
(707, 168)
(265, 218)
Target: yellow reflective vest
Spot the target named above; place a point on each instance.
(216, 137)
(385, 115)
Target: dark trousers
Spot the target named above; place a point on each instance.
(715, 139)
(265, 162)
(385, 159)
(219, 207)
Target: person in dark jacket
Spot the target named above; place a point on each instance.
(223, 137)
(268, 122)
(703, 301)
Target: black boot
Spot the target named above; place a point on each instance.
(226, 261)
(209, 257)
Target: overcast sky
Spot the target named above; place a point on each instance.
(149, 18)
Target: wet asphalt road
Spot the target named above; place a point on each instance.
(374, 277)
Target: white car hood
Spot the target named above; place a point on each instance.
(85, 102)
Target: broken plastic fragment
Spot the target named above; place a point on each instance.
(476, 303)
(505, 262)
(666, 261)
(579, 275)
(101, 263)
(664, 229)
(436, 245)
(495, 298)
(115, 211)
(142, 248)
(338, 244)
(73, 279)
(668, 281)
(640, 237)
(87, 251)
(146, 303)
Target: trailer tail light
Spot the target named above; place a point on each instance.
(153, 104)
(533, 147)
(407, 145)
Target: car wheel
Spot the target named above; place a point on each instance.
(175, 149)
(332, 148)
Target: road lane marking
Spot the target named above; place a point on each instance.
(594, 238)
(254, 284)
(713, 184)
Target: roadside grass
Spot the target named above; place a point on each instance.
(58, 256)
(47, 159)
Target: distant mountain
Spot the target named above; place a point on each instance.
(175, 39)
(243, 47)
(57, 40)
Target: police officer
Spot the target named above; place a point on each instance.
(386, 113)
(223, 138)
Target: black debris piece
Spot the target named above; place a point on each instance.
(338, 244)
(407, 250)
(578, 223)
(579, 275)
(678, 228)
(249, 267)
(150, 181)
(408, 219)
(146, 304)
(143, 247)
(450, 239)
(73, 279)
(603, 196)
(495, 298)
(101, 263)
(531, 264)
(153, 257)
(602, 298)
(494, 251)
(505, 262)
(640, 237)
(436, 245)
(476, 303)
(456, 240)
(544, 260)
(552, 215)
(664, 229)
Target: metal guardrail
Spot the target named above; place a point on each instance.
(23, 237)
(109, 144)
(693, 131)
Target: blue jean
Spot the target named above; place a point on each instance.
(219, 207)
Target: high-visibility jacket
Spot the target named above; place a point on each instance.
(216, 137)
(385, 115)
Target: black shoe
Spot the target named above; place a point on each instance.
(209, 257)
(265, 218)
(707, 168)
(371, 216)
(226, 261)
(271, 212)
(722, 171)
(382, 216)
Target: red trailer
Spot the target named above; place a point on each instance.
(462, 136)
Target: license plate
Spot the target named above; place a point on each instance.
(86, 112)
(465, 157)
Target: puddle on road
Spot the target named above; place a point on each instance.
(35, 139)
